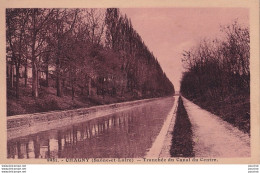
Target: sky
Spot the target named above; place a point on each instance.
(169, 31)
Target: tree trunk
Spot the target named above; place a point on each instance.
(72, 85)
(58, 72)
(35, 92)
(25, 73)
(73, 91)
(17, 81)
(63, 83)
(58, 78)
(86, 84)
(102, 89)
(47, 75)
(59, 86)
(38, 78)
(12, 76)
(7, 72)
(89, 87)
(82, 91)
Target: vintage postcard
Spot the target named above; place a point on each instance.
(174, 82)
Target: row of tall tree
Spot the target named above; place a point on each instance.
(81, 49)
(218, 68)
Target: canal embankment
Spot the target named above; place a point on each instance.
(25, 124)
(127, 133)
(162, 143)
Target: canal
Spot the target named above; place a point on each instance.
(129, 133)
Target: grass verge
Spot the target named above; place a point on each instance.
(235, 109)
(182, 144)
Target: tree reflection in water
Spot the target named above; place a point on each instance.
(128, 133)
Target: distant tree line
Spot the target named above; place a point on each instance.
(85, 51)
(220, 67)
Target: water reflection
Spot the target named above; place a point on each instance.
(128, 133)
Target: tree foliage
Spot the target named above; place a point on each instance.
(218, 67)
(84, 52)
(217, 75)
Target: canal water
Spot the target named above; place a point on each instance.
(128, 133)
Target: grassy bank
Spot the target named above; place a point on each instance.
(48, 101)
(235, 109)
(182, 145)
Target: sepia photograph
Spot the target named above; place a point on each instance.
(130, 85)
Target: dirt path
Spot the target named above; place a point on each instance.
(214, 137)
